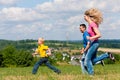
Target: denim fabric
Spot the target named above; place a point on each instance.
(99, 58)
(91, 53)
(46, 62)
(91, 59)
(84, 71)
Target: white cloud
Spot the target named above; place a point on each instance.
(77, 5)
(58, 6)
(55, 18)
(75, 19)
(20, 14)
(45, 7)
(8, 2)
(42, 26)
(31, 28)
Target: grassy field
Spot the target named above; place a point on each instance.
(69, 72)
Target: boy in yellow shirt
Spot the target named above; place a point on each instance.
(41, 50)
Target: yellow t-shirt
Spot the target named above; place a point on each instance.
(42, 50)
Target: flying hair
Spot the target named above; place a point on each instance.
(95, 15)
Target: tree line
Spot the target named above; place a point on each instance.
(30, 43)
(18, 53)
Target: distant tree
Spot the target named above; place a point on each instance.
(10, 56)
(58, 56)
(23, 58)
(1, 59)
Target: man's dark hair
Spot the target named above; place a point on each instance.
(83, 25)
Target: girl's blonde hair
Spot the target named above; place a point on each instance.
(95, 15)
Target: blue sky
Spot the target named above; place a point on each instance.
(55, 19)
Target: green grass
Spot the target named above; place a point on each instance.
(69, 72)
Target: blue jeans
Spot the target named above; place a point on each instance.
(46, 62)
(84, 71)
(91, 58)
(100, 57)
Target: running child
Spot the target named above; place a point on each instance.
(41, 50)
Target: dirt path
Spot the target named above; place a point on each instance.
(109, 50)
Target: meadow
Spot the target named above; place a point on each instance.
(69, 72)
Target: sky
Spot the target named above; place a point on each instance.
(55, 19)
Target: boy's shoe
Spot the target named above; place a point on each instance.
(58, 72)
(91, 76)
(111, 56)
(33, 73)
(102, 63)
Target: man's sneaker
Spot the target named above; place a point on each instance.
(102, 63)
(111, 56)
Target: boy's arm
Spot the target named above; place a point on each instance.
(36, 52)
(49, 52)
(45, 47)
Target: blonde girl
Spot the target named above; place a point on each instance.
(94, 18)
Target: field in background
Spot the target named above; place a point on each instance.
(69, 72)
(114, 51)
(109, 50)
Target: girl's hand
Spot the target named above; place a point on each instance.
(90, 38)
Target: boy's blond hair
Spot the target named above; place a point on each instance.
(95, 15)
(41, 39)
